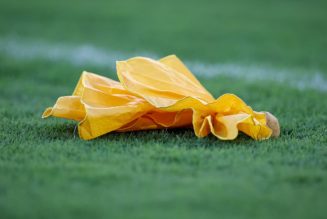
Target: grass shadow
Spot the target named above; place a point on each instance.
(59, 130)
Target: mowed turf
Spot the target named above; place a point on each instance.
(46, 171)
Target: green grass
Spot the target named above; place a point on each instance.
(46, 171)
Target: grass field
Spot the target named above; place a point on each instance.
(46, 171)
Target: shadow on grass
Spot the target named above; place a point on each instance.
(59, 130)
(180, 137)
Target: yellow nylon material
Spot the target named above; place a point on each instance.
(152, 95)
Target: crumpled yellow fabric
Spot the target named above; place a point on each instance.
(155, 94)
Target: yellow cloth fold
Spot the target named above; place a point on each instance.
(152, 95)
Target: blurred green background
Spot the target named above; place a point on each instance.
(291, 32)
(46, 171)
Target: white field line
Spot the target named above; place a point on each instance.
(87, 54)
